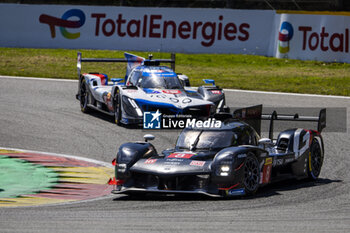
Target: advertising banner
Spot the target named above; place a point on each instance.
(313, 37)
(184, 30)
(298, 35)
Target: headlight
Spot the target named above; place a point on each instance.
(224, 170)
(131, 107)
(135, 106)
(122, 167)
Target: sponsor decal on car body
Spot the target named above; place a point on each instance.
(181, 155)
(235, 192)
(268, 161)
(150, 161)
(265, 175)
(172, 91)
(240, 156)
(197, 163)
(216, 92)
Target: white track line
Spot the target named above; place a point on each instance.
(229, 90)
(39, 79)
(288, 93)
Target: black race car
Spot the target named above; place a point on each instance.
(227, 161)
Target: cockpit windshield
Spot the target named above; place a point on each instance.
(156, 80)
(206, 139)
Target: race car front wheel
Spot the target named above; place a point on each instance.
(251, 174)
(117, 107)
(84, 97)
(315, 160)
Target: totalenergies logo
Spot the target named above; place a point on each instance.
(64, 23)
(284, 36)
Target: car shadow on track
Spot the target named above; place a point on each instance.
(157, 197)
(110, 120)
(291, 184)
(267, 191)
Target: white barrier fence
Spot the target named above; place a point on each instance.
(183, 30)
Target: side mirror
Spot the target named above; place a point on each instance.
(149, 137)
(265, 142)
(184, 80)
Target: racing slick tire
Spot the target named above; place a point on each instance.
(84, 96)
(251, 174)
(117, 107)
(315, 160)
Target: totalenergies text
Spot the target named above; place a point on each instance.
(154, 26)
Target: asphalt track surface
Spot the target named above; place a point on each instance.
(44, 116)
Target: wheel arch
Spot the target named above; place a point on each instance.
(236, 158)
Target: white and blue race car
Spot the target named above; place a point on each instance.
(147, 87)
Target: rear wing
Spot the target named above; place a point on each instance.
(253, 116)
(321, 119)
(250, 115)
(135, 59)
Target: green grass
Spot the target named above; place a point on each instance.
(230, 71)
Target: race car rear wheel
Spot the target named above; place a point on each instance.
(117, 107)
(315, 160)
(251, 174)
(84, 97)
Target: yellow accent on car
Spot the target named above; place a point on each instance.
(268, 161)
(310, 167)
